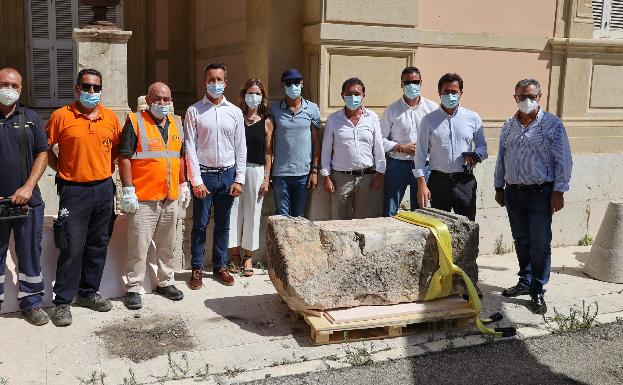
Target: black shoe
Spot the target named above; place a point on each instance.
(36, 316)
(170, 292)
(538, 304)
(517, 290)
(94, 301)
(133, 301)
(62, 315)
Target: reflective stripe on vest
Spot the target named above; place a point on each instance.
(146, 154)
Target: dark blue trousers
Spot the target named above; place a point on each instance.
(27, 235)
(530, 217)
(290, 194)
(218, 184)
(82, 233)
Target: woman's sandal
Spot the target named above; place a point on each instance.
(247, 272)
(234, 265)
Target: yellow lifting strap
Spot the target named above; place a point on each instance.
(441, 284)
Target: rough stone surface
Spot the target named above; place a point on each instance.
(605, 261)
(374, 261)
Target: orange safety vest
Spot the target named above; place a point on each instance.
(155, 164)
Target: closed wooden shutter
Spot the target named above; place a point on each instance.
(616, 15)
(598, 11)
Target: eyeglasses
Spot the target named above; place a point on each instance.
(289, 83)
(86, 87)
(405, 82)
(521, 98)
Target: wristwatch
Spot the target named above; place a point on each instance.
(315, 169)
(499, 189)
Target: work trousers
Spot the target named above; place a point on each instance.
(456, 192)
(530, 217)
(218, 184)
(82, 232)
(354, 198)
(246, 211)
(153, 221)
(27, 236)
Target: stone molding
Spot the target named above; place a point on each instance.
(586, 46)
(102, 35)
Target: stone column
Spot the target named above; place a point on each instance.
(107, 52)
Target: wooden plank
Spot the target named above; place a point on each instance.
(364, 313)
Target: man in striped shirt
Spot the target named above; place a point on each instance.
(532, 173)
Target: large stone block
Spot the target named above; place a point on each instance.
(374, 261)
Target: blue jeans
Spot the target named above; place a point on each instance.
(290, 194)
(530, 217)
(398, 175)
(218, 184)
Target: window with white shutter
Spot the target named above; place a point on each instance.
(608, 19)
(51, 53)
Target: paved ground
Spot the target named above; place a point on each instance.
(244, 333)
(590, 357)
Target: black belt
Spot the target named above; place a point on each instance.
(451, 175)
(215, 170)
(369, 170)
(62, 182)
(529, 187)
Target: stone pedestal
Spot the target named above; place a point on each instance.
(374, 261)
(107, 52)
(605, 261)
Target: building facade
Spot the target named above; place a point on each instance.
(574, 47)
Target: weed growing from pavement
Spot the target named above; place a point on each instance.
(97, 378)
(586, 240)
(233, 372)
(4, 381)
(358, 356)
(500, 246)
(578, 319)
(130, 380)
(260, 265)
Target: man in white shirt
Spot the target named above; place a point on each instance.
(352, 147)
(216, 154)
(399, 126)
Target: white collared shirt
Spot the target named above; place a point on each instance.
(214, 137)
(349, 147)
(400, 122)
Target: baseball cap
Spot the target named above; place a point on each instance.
(291, 74)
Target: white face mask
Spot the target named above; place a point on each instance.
(8, 96)
(527, 106)
(253, 100)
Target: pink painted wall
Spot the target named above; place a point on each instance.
(522, 18)
(489, 76)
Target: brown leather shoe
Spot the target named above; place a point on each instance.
(195, 281)
(223, 276)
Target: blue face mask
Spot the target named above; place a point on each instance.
(293, 90)
(90, 100)
(353, 101)
(159, 110)
(411, 91)
(450, 101)
(215, 90)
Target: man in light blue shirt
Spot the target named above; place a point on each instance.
(297, 146)
(532, 173)
(453, 139)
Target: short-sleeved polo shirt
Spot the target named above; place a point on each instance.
(86, 148)
(292, 136)
(10, 178)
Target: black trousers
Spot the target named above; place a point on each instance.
(455, 192)
(82, 232)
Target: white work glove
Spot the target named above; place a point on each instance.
(184, 195)
(129, 201)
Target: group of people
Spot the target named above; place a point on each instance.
(224, 157)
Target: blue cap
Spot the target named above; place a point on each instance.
(291, 74)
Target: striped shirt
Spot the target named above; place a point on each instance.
(535, 154)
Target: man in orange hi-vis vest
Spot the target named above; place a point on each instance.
(151, 165)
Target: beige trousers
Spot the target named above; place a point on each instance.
(353, 197)
(152, 221)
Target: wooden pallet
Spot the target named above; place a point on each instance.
(376, 322)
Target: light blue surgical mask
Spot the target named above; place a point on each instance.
(293, 90)
(159, 111)
(353, 101)
(411, 91)
(90, 100)
(450, 101)
(215, 90)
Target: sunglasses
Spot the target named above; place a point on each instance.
(405, 82)
(521, 98)
(86, 87)
(289, 83)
